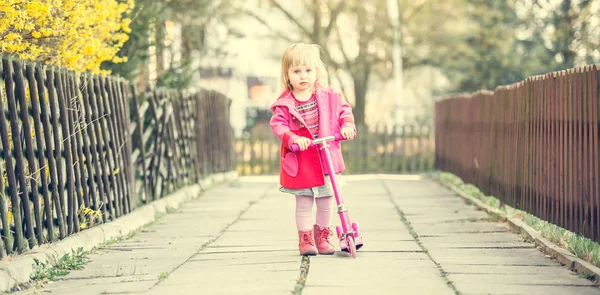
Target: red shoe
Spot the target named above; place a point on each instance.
(307, 243)
(322, 240)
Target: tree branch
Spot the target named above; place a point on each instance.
(342, 88)
(374, 59)
(292, 18)
(346, 59)
(333, 16)
(263, 22)
(414, 10)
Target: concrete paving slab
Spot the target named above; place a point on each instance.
(411, 272)
(549, 269)
(461, 228)
(479, 256)
(241, 239)
(542, 279)
(506, 289)
(114, 285)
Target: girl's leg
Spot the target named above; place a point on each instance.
(304, 206)
(324, 208)
(321, 228)
(306, 238)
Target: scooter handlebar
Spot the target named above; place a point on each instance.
(336, 137)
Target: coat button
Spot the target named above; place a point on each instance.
(301, 126)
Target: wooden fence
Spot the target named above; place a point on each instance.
(184, 137)
(534, 145)
(404, 149)
(73, 156)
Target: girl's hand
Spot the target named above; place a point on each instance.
(302, 142)
(347, 132)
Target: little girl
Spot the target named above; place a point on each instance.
(308, 109)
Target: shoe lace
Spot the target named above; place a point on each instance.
(306, 237)
(325, 234)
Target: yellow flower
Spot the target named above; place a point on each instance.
(12, 37)
(46, 32)
(88, 49)
(78, 34)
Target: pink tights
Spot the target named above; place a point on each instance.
(304, 206)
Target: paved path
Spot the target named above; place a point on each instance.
(240, 239)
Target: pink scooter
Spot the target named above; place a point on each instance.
(348, 233)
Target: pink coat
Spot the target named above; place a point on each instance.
(334, 114)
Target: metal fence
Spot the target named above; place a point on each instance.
(72, 158)
(404, 149)
(534, 145)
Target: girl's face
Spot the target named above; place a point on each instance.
(302, 78)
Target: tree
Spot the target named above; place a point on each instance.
(479, 51)
(503, 42)
(373, 39)
(356, 36)
(75, 34)
(565, 31)
(150, 26)
(322, 29)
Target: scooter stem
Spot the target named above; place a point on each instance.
(342, 211)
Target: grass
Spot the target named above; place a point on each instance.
(417, 239)
(62, 266)
(578, 245)
(415, 236)
(163, 276)
(118, 239)
(304, 267)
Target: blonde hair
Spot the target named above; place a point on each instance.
(302, 54)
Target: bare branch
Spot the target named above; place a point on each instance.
(333, 16)
(346, 59)
(264, 22)
(374, 60)
(415, 8)
(344, 94)
(292, 18)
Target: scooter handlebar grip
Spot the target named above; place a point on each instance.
(339, 137)
(295, 148)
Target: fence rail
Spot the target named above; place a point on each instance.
(534, 145)
(404, 149)
(78, 150)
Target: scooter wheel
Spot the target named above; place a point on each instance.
(338, 229)
(357, 237)
(355, 228)
(351, 246)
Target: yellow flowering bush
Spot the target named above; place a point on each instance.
(88, 217)
(75, 34)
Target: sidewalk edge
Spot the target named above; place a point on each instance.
(17, 270)
(561, 255)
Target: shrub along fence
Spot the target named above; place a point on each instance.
(533, 144)
(72, 158)
(404, 149)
